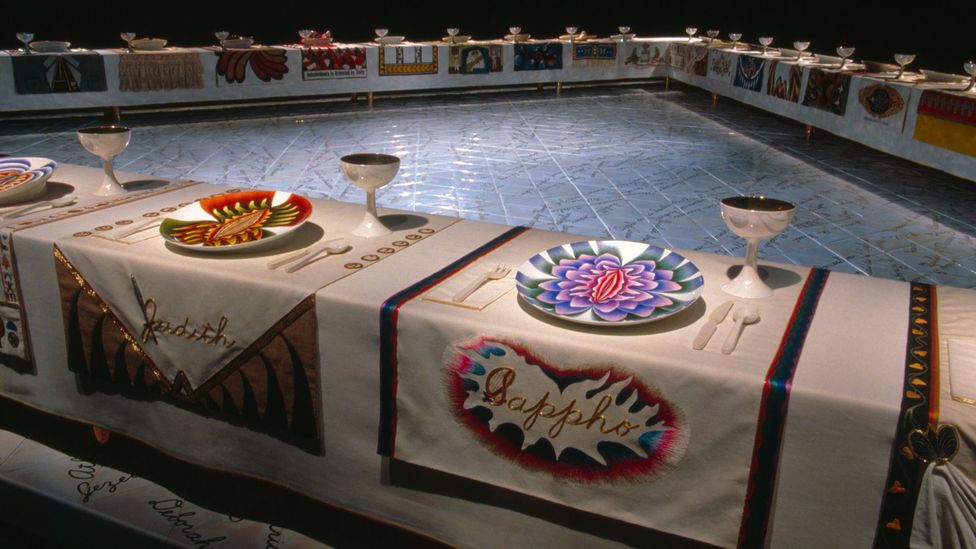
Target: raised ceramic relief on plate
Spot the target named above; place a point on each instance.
(236, 220)
(607, 282)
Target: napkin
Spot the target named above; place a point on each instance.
(962, 369)
(484, 296)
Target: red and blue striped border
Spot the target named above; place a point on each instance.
(389, 313)
(772, 414)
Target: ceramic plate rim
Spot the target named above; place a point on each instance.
(695, 293)
(278, 237)
(26, 187)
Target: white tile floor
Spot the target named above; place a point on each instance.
(640, 164)
(631, 163)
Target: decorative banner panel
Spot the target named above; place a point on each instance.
(720, 65)
(947, 120)
(266, 65)
(475, 59)
(594, 54)
(879, 104)
(334, 62)
(407, 60)
(59, 73)
(641, 55)
(680, 56)
(699, 61)
(827, 90)
(536, 57)
(272, 387)
(784, 81)
(749, 72)
(598, 424)
(155, 71)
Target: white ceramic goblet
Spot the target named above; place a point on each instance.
(754, 218)
(844, 52)
(765, 41)
(735, 37)
(903, 60)
(381, 33)
(514, 32)
(25, 37)
(571, 31)
(800, 46)
(370, 171)
(690, 31)
(105, 142)
(623, 30)
(970, 68)
(128, 37)
(712, 35)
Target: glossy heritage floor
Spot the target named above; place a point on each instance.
(634, 163)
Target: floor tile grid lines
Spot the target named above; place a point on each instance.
(568, 178)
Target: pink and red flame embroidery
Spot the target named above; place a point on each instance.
(612, 417)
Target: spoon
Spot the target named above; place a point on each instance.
(66, 200)
(337, 246)
(746, 314)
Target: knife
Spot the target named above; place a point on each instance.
(714, 319)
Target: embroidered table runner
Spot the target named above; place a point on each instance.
(160, 70)
(948, 120)
(220, 334)
(15, 351)
(73, 71)
(334, 61)
(630, 423)
(930, 493)
(249, 66)
(408, 59)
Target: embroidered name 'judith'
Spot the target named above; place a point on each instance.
(206, 334)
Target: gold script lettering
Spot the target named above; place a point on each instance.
(500, 380)
(207, 334)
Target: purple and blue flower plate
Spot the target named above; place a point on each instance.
(609, 282)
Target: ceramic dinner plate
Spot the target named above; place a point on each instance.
(609, 282)
(241, 221)
(23, 178)
(50, 46)
(149, 44)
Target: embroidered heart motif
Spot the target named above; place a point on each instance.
(897, 488)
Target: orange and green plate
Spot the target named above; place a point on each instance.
(236, 221)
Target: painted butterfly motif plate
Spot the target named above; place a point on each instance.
(240, 221)
(609, 282)
(23, 178)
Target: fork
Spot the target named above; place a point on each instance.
(499, 272)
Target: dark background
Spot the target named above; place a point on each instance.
(939, 32)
